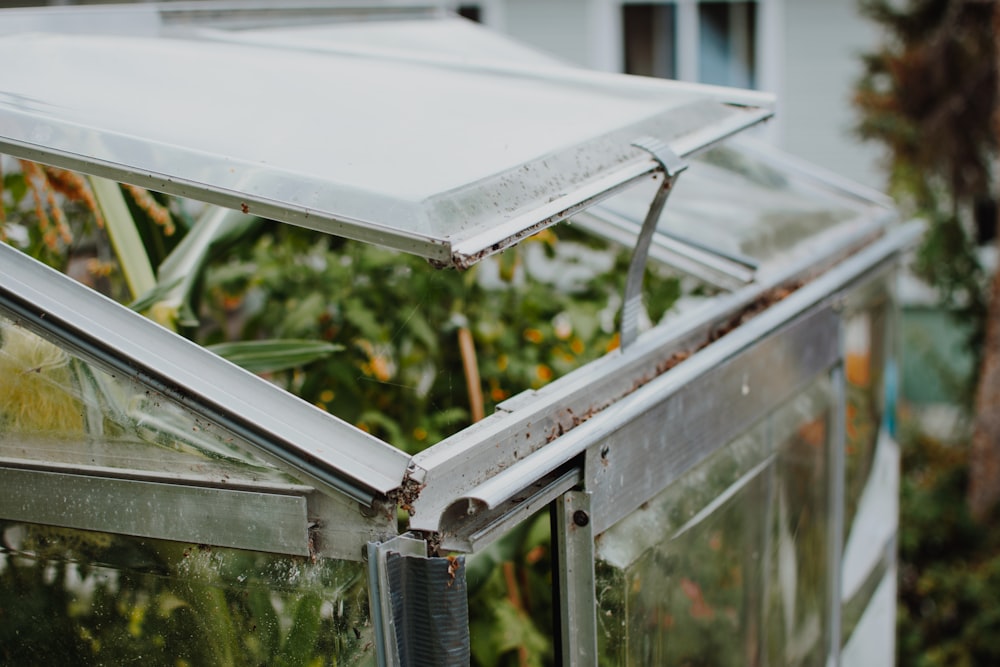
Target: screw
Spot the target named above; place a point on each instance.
(581, 518)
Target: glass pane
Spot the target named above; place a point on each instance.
(729, 565)
(738, 201)
(504, 143)
(57, 408)
(70, 597)
(865, 357)
(799, 567)
(871, 503)
(679, 582)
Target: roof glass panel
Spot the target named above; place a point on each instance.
(442, 159)
(745, 202)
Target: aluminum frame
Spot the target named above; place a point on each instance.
(487, 464)
(315, 446)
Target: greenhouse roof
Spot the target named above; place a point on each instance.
(439, 155)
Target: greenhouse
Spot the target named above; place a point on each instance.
(354, 333)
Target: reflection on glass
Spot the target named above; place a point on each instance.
(729, 565)
(671, 577)
(56, 407)
(70, 597)
(738, 202)
(798, 592)
(871, 473)
(864, 364)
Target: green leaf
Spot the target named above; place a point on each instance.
(268, 626)
(159, 291)
(15, 184)
(181, 269)
(301, 641)
(129, 249)
(303, 316)
(271, 356)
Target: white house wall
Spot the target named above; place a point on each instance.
(823, 42)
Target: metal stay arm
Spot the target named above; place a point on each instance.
(672, 166)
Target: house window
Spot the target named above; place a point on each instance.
(650, 47)
(473, 12)
(694, 40)
(726, 43)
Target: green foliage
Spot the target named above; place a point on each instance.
(400, 374)
(949, 566)
(510, 599)
(271, 356)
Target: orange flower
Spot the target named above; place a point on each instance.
(543, 372)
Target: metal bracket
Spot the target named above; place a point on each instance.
(671, 165)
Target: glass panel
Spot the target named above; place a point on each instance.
(350, 156)
(729, 565)
(798, 578)
(738, 201)
(70, 597)
(679, 582)
(57, 408)
(871, 503)
(865, 358)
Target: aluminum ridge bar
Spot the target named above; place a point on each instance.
(327, 451)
